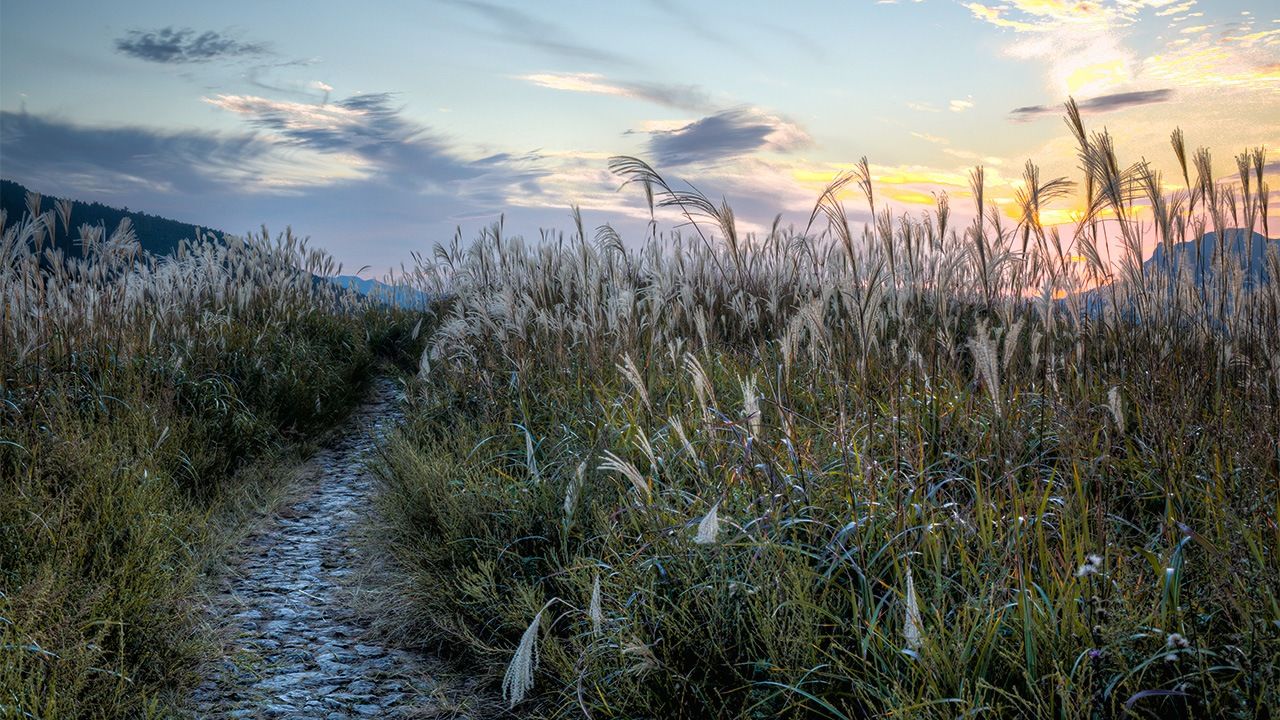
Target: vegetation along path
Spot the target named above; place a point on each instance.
(297, 646)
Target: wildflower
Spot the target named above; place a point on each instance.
(1177, 641)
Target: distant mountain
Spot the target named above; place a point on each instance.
(157, 235)
(1200, 261)
(1252, 255)
(401, 296)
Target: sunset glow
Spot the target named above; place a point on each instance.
(293, 111)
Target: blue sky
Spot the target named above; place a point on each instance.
(378, 130)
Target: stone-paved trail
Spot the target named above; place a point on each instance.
(298, 648)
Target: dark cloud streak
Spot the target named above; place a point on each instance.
(521, 28)
(368, 126)
(724, 135)
(1099, 104)
(417, 185)
(48, 149)
(170, 45)
(681, 97)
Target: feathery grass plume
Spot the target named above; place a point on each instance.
(1011, 339)
(530, 459)
(986, 361)
(913, 626)
(594, 610)
(646, 447)
(424, 362)
(613, 463)
(751, 404)
(702, 387)
(691, 203)
(700, 323)
(646, 660)
(629, 371)
(64, 207)
(709, 526)
(1115, 407)
(573, 492)
(34, 201)
(677, 427)
(518, 680)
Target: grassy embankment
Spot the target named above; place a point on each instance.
(143, 402)
(842, 474)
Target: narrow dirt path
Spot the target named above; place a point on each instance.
(298, 649)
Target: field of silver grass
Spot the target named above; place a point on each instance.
(912, 469)
(144, 403)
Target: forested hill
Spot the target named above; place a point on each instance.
(158, 235)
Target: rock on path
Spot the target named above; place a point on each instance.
(297, 648)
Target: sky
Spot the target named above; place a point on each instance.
(382, 128)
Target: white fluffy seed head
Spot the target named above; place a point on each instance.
(1116, 407)
(709, 527)
(913, 627)
(751, 404)
(518, 680)
(597, 615)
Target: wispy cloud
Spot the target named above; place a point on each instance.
(1039, 15)
(683, 97)
(1099, 104)
(521, 28)
(686, 17)
(935, 139)
(726, 29)
(973, 157)
(333, 172)
(1087, 48)
(922, 106)
(184, 45)
(727, 134)
(368, 133)
(1176, 9)
(1241, 59)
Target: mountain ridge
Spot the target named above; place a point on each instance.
(157, 235)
